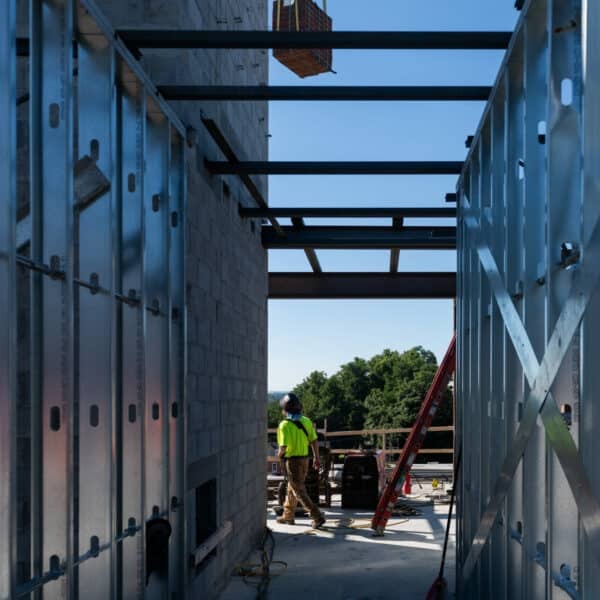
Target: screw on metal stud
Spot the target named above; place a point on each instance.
(570, 255)
(94, 283)
(154, 307)
(94, 546)
(54, 268)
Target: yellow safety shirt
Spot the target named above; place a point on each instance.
(294, 439)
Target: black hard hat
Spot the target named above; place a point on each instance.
(291, 404)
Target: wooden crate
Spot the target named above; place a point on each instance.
(305, 62)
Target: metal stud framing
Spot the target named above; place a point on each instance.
(107, 347)
(529, 250)
(8, 298)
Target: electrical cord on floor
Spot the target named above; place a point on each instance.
(263, 569)
(349, 525)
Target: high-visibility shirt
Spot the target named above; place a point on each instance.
(294, 439)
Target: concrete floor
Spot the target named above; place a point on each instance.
(345, 562)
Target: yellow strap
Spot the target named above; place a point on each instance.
(297, 5)
(279, 14)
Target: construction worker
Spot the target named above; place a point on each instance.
(294, 436)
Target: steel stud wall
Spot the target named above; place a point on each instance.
(529, 256)
(107, 346)
(8, 297)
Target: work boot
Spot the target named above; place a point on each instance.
(284, 521)
(318, 522)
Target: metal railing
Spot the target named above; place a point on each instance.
(383, 434)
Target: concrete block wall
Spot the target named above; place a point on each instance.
(226, 276)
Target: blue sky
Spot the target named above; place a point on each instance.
(321, 335)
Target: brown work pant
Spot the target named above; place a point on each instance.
(297, 469)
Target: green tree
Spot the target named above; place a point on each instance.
(384, 392)
(312, 394)
(273, 413)
(400, 383)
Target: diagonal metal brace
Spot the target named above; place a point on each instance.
(541, 378)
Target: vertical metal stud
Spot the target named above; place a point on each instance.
(514, 241)
(176, 365)
(474, 389)
(590, 441)
(497, 337)
(485, 379)
(51, 143)
(535, 284)
(96, 312)
(133, 335)
(155, 296)
(463, 378)
(564, 225)
(8, 300)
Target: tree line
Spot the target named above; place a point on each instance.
(385, 391)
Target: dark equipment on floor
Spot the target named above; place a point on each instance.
(302, 15)
(362, 478)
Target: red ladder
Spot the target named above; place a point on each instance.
(415, 440)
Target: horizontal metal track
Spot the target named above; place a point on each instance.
(361, 285)
(347, 212)
(360, 40)
(325, 93)
(367, 238)
(335, 168)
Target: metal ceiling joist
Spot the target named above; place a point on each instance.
(227, 150)
(361, 285)
(366, 238)
(335, 168)
(324, 93)
(348, 212)
(311, 255)
(348, 40)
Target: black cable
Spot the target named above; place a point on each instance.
(266, 558)
(454, 484)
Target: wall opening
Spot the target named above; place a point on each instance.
(206, 517)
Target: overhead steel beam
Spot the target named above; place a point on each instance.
(367, 238)
(311, 255)
(325, 93)
(335, 168)
(348, 40)
(230, 155)
(348, 212)
(308, 286)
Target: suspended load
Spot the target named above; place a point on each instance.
(302, 15)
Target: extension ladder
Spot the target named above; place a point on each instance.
(415, 440)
